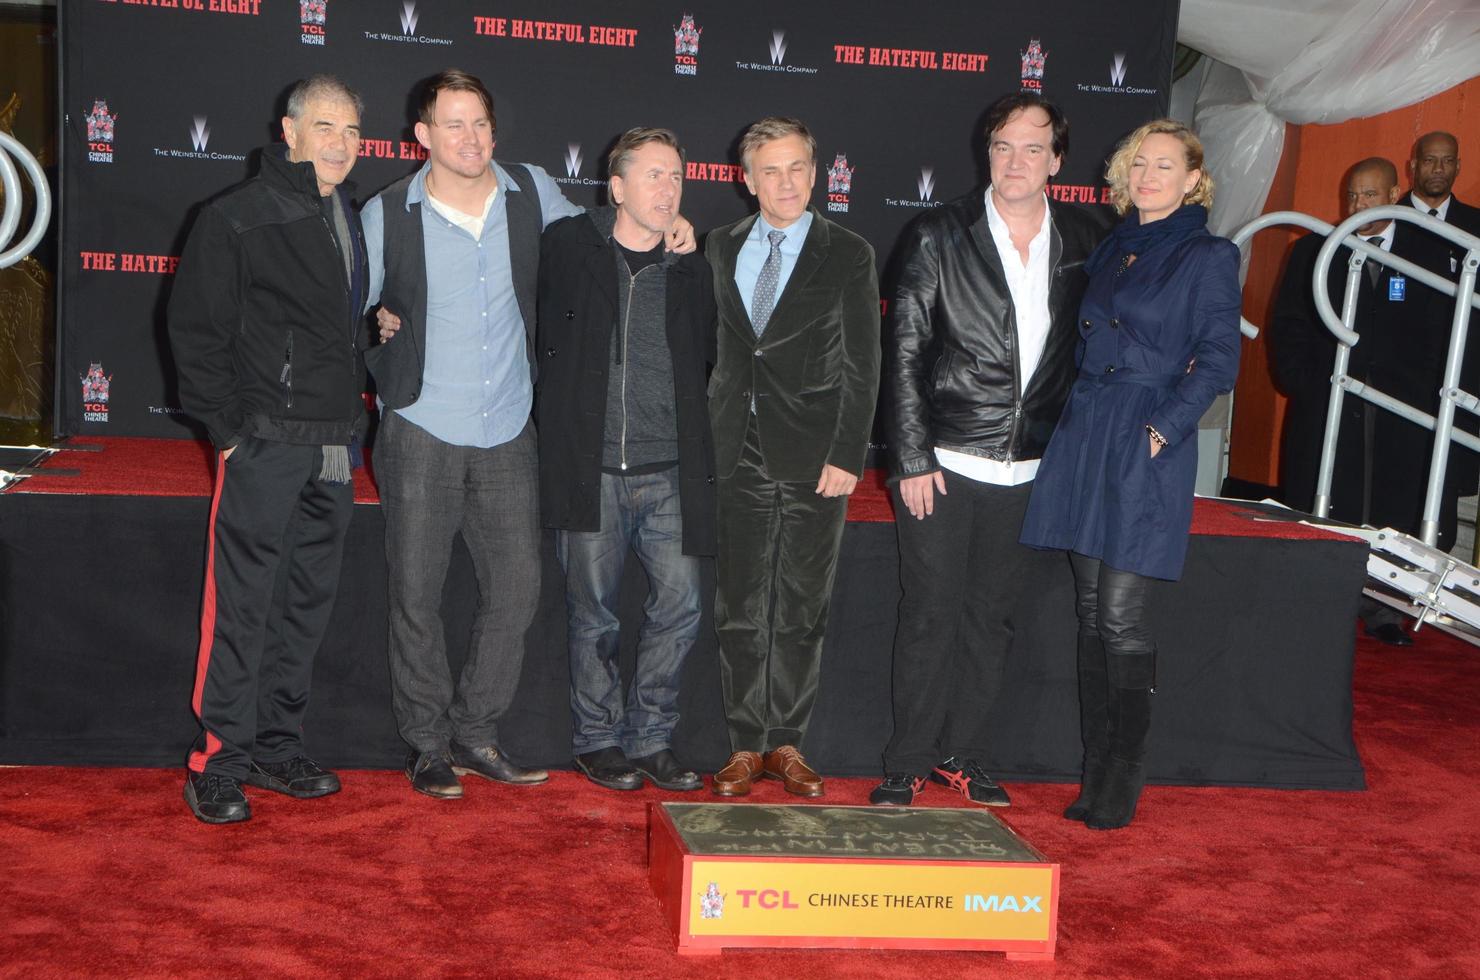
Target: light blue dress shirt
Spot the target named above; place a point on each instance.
(475, 387)
(757, 247)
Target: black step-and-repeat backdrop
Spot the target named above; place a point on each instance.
(166, 102)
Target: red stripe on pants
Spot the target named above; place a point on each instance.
(198, 760)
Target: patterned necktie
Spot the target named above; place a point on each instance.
(763, 300)
(1374, 268)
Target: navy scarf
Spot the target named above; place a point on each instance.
(1130, 237)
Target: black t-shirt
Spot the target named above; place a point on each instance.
(636, 261)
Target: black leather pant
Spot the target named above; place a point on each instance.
(1111, 603)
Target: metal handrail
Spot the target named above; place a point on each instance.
(10, 219)
(1341, 326)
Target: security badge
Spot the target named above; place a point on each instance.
(1397, 288)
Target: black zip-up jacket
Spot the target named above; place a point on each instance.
(579, 309)
(264, 323)
(951, 366)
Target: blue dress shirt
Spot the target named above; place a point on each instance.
(752, 255)
(475, 387)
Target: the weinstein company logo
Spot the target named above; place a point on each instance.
(686, 46)
(777, 47)
(1033, 61)
(409, 15)
(839, 183)
(925, 190)
(1117, 84)
(200, 135)
(311, 17)
(95, 393)
(100, 133)
(573, 161)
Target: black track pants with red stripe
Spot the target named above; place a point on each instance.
(272, 572)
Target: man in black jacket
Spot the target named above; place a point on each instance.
(1380, 471)
(980, 358)
(1434, 168)
(626, 457)
(264, 320)
(1404, 336)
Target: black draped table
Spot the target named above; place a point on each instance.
(100, 595)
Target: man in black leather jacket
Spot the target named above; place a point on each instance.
(980, 358)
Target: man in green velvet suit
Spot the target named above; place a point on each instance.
(792, 403)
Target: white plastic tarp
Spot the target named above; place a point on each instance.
(1314, 61)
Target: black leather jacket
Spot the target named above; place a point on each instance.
(951, 373)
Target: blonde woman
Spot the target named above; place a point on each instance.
(1159, 341)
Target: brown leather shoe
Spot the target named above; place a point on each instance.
(737, 775)
(787, 765)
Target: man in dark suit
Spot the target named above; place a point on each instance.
(792, 402)
(1434, 168)
(1381, 465)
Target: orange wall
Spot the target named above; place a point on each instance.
(1310, 180)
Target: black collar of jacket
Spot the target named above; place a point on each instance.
(817, 236)
(727, 253)
(295, 178)
(972, 212)
(596, 228)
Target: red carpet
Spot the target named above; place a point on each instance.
(182, 468)
(105, 872)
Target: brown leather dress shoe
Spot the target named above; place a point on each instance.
(787, 765)
(737, 775)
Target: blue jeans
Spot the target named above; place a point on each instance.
(640, 512)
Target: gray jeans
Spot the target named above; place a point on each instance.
(430, 491)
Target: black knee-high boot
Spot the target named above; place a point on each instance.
(1132, 677)
(1094, 722)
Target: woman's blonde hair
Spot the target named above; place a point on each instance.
(1118, 173)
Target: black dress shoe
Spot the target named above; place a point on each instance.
(214, 798)
(609, 767)
(298, 777)
(487, 761)
(1390, 633)
(663, 771)
(897, 789)
(431, 775)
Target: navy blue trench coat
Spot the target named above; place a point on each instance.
(1159, 341)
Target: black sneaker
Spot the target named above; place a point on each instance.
(897, 789)
(214, 798)
(968, 779)
(299, 777)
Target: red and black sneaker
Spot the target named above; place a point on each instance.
(897, 789)
(968, 779)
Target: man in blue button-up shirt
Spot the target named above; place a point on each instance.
(454, 251)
